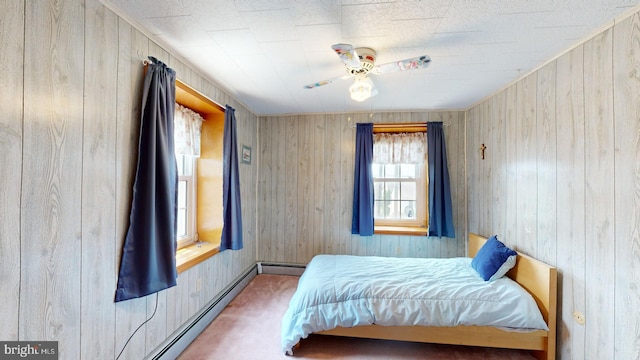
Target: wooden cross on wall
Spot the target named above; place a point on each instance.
(482, 149)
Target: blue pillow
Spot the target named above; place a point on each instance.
(494, 259)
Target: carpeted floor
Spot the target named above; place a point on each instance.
(249, 328)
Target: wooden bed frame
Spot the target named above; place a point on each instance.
(535, 276)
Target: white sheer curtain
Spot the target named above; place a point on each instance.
(399, 148)
(188, 126)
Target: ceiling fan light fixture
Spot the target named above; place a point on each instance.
(361, 89)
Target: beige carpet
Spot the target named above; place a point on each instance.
(249, 328)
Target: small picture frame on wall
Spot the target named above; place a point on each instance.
(245, 158)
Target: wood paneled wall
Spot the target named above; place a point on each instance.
(305, 188)
(71, 88)
(561, 182)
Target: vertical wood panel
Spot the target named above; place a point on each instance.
(345, 158)
(527, 194)
(193, 299)
(52, 169)
(270, 202)
(546, 164)
(11, 123)
(511, 160)
(570, 203)
(497, 157)
(279, 179)
(99, 182)
(391, 246)
(291, 186)
(319, 167)
(599, 151)
(306, 175)
(177, 307)
(347, 162)
(485, 166)
(208, 281)
(473, 168)
(248, 135)
(129, 314)
(182, 70)
(156, 329)
(264, 187)
(332, 183)
(627, 187)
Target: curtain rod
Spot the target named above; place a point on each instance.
(400, 125)
(386, 125)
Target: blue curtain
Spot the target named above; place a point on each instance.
(362, 220)
(148, 262)
(440, 209)
(232, 211)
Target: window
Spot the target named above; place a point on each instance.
(400, 180)
(399, 193)
(187, 130)
(199, 177)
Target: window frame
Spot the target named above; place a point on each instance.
(209, 194)
(418, 227)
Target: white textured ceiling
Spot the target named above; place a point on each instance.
(262, 52)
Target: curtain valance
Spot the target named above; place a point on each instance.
(399, 148)
(188, 127)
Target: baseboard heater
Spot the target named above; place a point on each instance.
(177, 343)
(280, 269)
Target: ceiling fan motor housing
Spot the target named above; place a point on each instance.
(367, 58)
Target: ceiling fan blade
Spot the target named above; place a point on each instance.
(403, 65)
(327, 82)
(348, 54)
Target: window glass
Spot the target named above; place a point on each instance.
(408, 191)
(391, 171)
(408, 209)
(407, 171)
(377, 170)
(182, 208)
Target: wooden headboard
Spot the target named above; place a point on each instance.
(538, 278)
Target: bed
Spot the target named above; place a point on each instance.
(318, 311)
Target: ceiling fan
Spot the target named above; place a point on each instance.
(360, 62)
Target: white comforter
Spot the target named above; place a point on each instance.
(347, 291)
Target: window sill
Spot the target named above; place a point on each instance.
(194, 254)
(400, 230)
